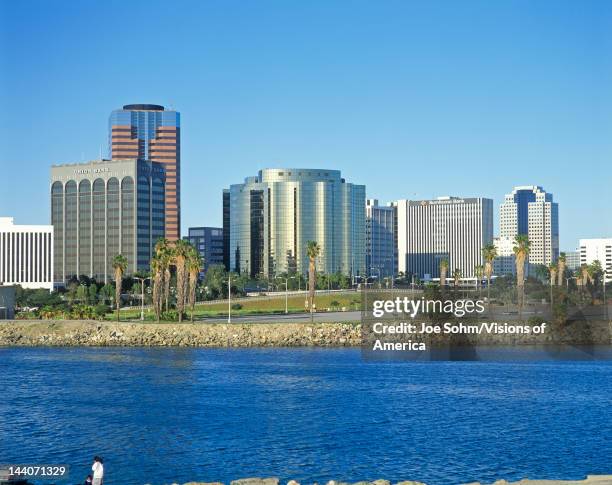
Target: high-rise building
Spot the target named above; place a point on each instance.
(103, 208)
(572, 260)
(209, 243)
(273, 216)
(151, 132)
(451, 228)
(599, 249)
(530, 211)
(226, 229)
(381, 237)
(26, 255)
(505, 262)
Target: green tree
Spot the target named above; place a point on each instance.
(120, 265)
(521, 251)
(313, 250)
(489, 253)
(443, 271)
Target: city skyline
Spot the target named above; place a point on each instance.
(492, 106)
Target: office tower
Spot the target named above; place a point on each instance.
(103, 208)
(530, 211)
(505, 262)
(449, 228)
(600, 249)
(226, 229)
(273, 215)
(381, 255)
(26, 255)
(209, 243)
(572, 260)
(151, 132)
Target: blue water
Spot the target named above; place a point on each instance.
(163, 415)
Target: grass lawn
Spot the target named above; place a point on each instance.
(295, 304)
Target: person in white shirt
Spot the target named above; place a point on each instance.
(98, 471)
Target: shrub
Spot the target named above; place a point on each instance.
(236, 306)
(170, 316)
(536, 320)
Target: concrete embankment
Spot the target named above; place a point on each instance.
(589, 480)
(94, 333)
(64, 333)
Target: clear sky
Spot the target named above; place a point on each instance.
(413, 99)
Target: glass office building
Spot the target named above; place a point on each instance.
(381, 240)
(272, 217)
(209, 243)
(103, 208)
(151, 132)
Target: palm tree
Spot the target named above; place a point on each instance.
(489, 253)
(163, 251)
(194, 265)
(561, 268)
(521, 251)
(478, 272)
(181, 252)
(158, 276)
(456, 277)
(443, 271)
(120, 264)
(312, 250)
(585, 274)
(552, 271)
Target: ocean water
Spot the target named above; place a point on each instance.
(174, 415)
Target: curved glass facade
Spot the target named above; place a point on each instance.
(274, 215)
(97, 213)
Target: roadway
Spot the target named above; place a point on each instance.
(320, 317)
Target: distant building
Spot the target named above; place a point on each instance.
(572, 260)
(597, 250)
(26, 255)
(381, 238)
(530, 211)
(103, 208)
(450, 228)
(7, 302)
(273, 215)
(151, 132)
(505, 262)
(209, 243)
(226, 229)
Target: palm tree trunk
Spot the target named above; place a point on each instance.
(167, 277)
(118, 277)
(311, 284)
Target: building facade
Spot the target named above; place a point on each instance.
(530, 211)
(104, 208)
(599, 249)
(505, 262)
(381, 240)
(151, 132)
(26, 255)
(451, 228)
(272, 217)
(572, 260)
(209, 243)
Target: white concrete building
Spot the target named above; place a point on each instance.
(530, 210)
(448, 227)
(597, 250)
(26, 255)
(505, 262)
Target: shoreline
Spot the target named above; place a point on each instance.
(92, 333)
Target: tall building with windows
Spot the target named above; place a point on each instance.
(26, 255)
(381, 240)
(451, 228)
(599, 249)
(209, 243)
(529, 210)
(273, 215)
(151, 132)
(103, 208)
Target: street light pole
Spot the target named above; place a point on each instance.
(142, 281)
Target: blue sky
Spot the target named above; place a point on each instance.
(413, 99)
